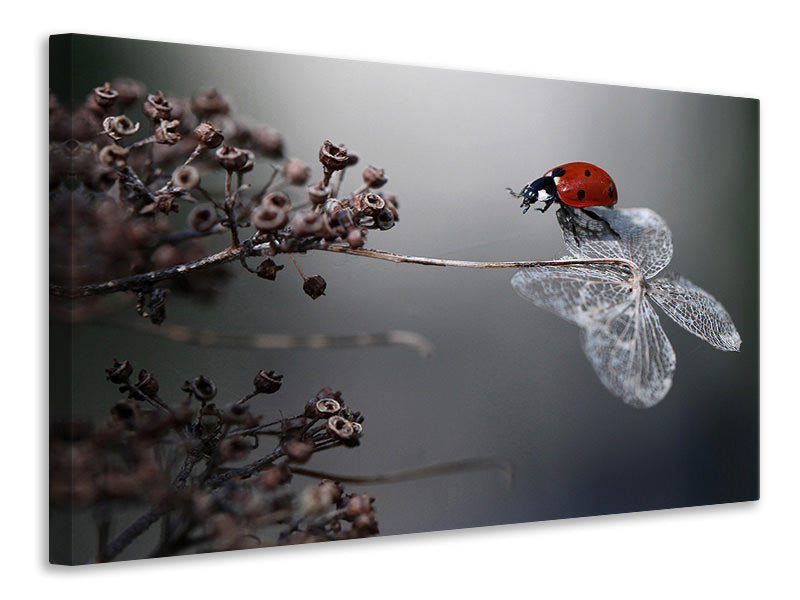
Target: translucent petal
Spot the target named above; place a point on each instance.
(695, 310)
(631, 353)
(579, 294)
(643, 238)
(622, 336)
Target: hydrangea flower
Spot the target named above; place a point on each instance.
(612, 303)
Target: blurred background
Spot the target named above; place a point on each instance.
(506, 379)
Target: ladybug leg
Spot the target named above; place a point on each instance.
(567, 223)
(547, 204)
(597, 224)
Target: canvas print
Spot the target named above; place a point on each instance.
(296, 299)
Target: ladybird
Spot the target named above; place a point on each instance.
(575, 187)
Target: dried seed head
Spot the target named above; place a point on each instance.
(298, 451)
(277, 199)
(267, 382)
(267, 141)
(333, 157)
(167, 132)
(318, 193)
(232, 159)
(355, 238)
(332, 489)
(147, 384)
(358, 505)
(210, 102)
(268, 269)
(119, 372)
(207, 136)
(233, 448)
(186, 178)
(374, 177)
(322, 408)
(384, 220)
(296, 172)
(104, 96)
(275, 476)
(307, 224)
(340, 428)
(156, 107)
(119, 127)
(314, 287)
(369, 204)
(251, 161)
(267, 217)
(128, 91)
(203, 388)
(113, 156)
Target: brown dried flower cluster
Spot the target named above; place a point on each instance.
(126, 159)
(227, 489)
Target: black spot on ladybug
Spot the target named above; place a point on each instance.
(558, 172)
(611, 191)
(587, 172)
(581, 194)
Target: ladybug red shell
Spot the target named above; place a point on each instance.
(577, 184)
(583, 184)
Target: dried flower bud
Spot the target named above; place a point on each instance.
(123, 411)
(368, 204)
(278, 199)
(267, 141)
(119, 127)
(296, 172)
(113, 156)
(268, 269)
(207, 136)
(147, 384)
(340, 428)
(105, 96)
(167, 132)
(307, 224)
(231, 159)
(201, 387)
(119, 372)
(156, 107)
(202, 218)
(355, 238)
(233, 448)
(332, 489)
(318, 193)
(128, 91)
(298, 451)
(267, 217)
(358, 505)
(210, 102)
(251, 161)
(322, 408)
(314, 287)
(267, 382)
(186, 177)
(384, 220)
(275, 476)
(235, 413)
(333, 157)
(374, 177)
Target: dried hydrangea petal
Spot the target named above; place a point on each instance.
(695, 310)
(643, 238)
(631, 354)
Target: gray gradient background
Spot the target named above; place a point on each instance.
(507, 379)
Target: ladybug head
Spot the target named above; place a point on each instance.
(542, 189)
